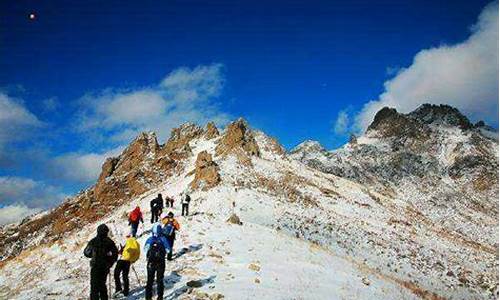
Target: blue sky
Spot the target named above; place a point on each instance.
(81, 79)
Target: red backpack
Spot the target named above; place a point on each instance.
(134, 215)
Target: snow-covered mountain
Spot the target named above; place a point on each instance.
(406, 211)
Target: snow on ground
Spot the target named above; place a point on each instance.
(371, 245)
(239, 262)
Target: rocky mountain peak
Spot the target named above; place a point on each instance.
(384, 116)
(388, 122)
(211, 131)
(236, 137)
(185, 131)
(441, 114)
(308, 146)
(180, 138)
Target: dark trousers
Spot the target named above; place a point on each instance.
(185, 208)
(171, 203)
(122, 268)
(134, 228)
(159, 271)
(170, 240)
(155, 215)
(98, 289)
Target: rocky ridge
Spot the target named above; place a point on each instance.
(416, 205)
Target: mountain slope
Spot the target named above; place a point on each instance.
(349, 234)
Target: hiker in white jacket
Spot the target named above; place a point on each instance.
(185, 203)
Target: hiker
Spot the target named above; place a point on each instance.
(170, 202)
(170, 226)
(156, 208)
(185, 204)
(129, 255)
(156, 248)
(134, 218)
(103, 253)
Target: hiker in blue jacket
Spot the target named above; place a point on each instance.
(156, 248)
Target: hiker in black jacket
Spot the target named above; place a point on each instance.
(103, 253)
(156, 208)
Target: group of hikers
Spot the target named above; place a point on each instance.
(159, 246)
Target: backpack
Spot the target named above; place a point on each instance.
(134, 216)
(132, 251)
(156, 253)
(100, 255)
(168, 230)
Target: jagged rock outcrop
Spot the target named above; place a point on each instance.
(211, 131)
(238, 139)
(389, 123)
(441, 115)
(206, 174)
(178, 144)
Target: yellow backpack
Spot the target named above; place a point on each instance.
(132, 250)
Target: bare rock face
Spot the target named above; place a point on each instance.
(211, 131)
(441, 114)
(206, 172)
(145, 144)
(180, 138)
(134, 164)
(238, 140)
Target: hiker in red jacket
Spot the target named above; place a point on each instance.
(134, 218)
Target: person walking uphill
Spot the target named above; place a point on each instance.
(170, 227)
(156, 248)
(185, 204)
(129, 255)
(134, 218)
(169, 201)
(156, 208)
(103, 253)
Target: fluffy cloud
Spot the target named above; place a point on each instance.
(23, 196)
(113, 117)
(464, 75)
(82, 168)
(14, 213)
(183, 95)
(16, 123)
(13, 118)
(342, 123)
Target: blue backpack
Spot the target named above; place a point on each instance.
(168, 230)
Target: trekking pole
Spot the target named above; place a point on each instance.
(136, 276)
(109, 283)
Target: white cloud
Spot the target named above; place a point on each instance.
(14, 117)
(198, 84)
(16, 124)
(26, 192)
(14, 213)
(184, 95)
(81, 167)
(342, 122)
(464, 75)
